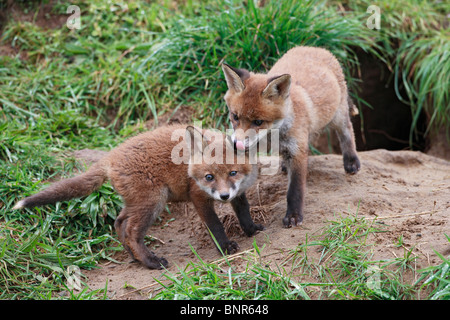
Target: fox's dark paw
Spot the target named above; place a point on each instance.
(156, 263)
(292, 220)
(230, 247)
(351, 164)
(259, 227)
(163, 263)
(254, 229)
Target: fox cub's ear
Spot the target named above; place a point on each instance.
(235, 77)
(277, 87)
(195, 140)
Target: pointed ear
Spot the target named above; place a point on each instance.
(235, 77)
(195, 140)
(277, 87)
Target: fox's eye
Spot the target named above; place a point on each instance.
(233, 173)
(235, 117)
(258, 122)
(209, 177)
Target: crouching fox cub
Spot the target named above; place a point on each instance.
(143, 172)
(303, 92)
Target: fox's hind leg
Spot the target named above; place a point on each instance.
(121, 225)
(132, 225)
(344, 130)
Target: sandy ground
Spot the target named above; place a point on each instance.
(408, 191)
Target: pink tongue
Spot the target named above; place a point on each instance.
(240, 145)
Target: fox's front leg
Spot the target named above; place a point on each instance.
(242, 209)
(297, 171)
(205, 208)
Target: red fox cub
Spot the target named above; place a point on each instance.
(152, 169)
(302, 93)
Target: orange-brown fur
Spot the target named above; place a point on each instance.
(301, 94)
(141, 170)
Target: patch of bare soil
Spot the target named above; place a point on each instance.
(408, 191)
(41, 15)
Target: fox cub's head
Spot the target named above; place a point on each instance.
(255, 102)
(215, 165)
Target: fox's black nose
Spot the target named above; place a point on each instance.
(224, 196)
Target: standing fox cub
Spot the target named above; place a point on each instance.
(302, 93)
(143, 172)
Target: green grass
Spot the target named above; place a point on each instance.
(335, 264)
(133, 61)
(437, 277)
(426, 77)
(122, 61)
(187, 57)
(415, 41)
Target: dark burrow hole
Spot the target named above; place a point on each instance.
(387, 124)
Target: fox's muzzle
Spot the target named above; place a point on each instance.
(224, 196)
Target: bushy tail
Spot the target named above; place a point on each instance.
(67, 189)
